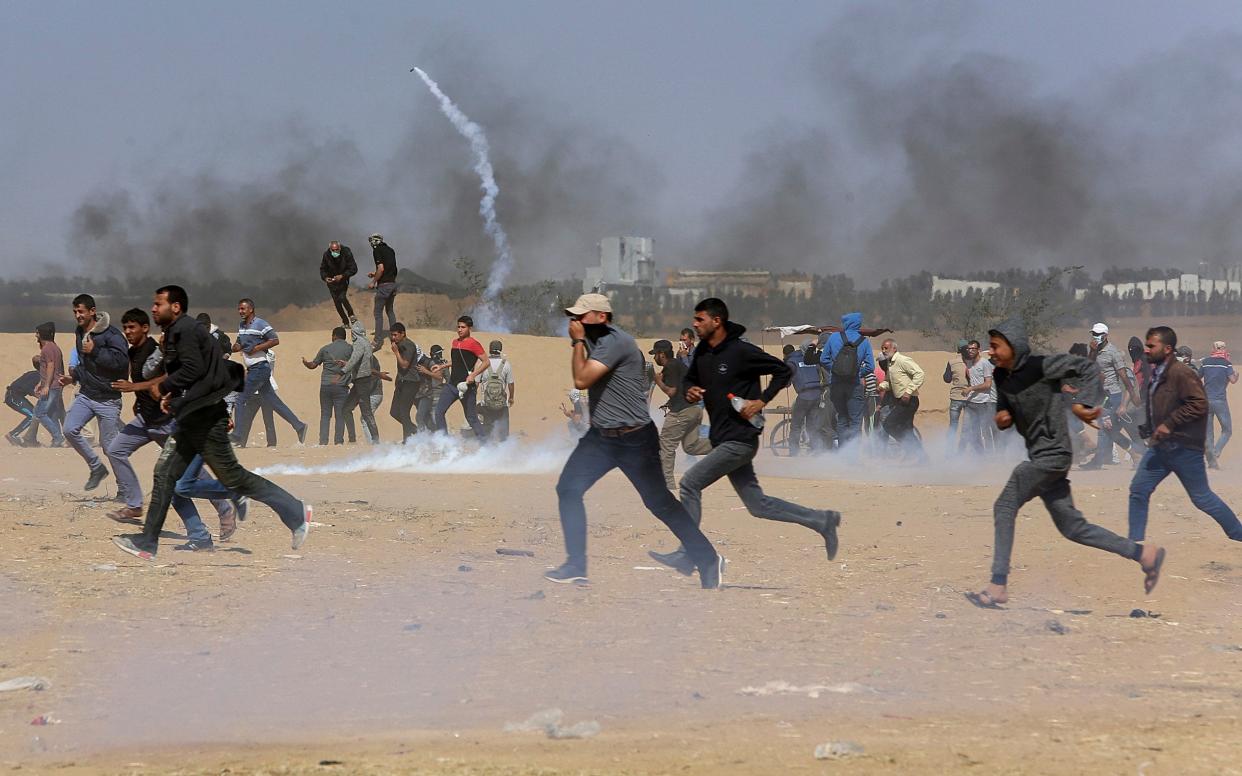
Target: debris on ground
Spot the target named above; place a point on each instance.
(104, 567)
(520, 553)
(809, 690)
(536, 596)
(1140, 613)
(414, 626)
(25, 683)
(836, 750)
(1056, 627)
(548, 722)
(44, 719)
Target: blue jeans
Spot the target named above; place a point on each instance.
(448, 395)
(195, 529)
(1218, 410)
(848, 401)
(1161, 461)
(259, 389)
(637, 455)
(80, 413)
(195, 483)
(133, 436)
(46, 414)
(956, 407)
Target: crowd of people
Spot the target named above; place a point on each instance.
(197, 402)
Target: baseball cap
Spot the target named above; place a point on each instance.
(437, 350)
(1099, 328)
(588, 303)
(661, 346)
(495, 347)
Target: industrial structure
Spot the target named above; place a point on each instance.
(624, 262)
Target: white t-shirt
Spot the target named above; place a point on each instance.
(978, 374)
(506, 372)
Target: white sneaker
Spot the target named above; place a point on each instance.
(300, 533)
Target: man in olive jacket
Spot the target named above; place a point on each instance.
(1177, 412)
(196, 382)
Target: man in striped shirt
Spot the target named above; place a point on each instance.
(255, 339)
(1218, 374)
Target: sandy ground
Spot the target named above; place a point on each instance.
(398, 641)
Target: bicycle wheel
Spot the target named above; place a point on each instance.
(778, 439)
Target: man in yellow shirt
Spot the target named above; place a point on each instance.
(903, 379)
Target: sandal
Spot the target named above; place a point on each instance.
(228, 524)
(982, 600)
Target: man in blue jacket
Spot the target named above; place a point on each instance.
(808, 383)
(848, 359)
(103, 358)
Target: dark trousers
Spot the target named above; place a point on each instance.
(805, 417)
(340, 298)
(449, 395)
(22, 406)
(385, 299)
(206, 433)
(495, 423)
(402, 405)
(332, 399)
(637, 455)
(1161, 461)
(848, 401)
(360, 396)
(1116, 435)
(900, 425)
(1029, 481)
(425, 412)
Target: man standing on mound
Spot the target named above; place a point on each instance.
(1029, 395)
(725, 366)
(197, 381)
(608, 364)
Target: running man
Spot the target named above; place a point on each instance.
(725, 366)
(335, 269)
(152, 424)
(1218, 374)
(102, 359)
(1029, 396)
(15, 397)
(683, 421)
(607, 363)
(193, 390)
(255, 340)
(49, 406)
(1177, 421)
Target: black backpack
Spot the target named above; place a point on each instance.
(845, 363)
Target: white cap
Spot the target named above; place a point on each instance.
(1099, 328)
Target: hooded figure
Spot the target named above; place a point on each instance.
(1030, 397)
(848, 359)
(358, 369)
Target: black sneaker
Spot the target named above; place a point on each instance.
(677, 560)
(241, 506)
(712, 577)
(133, 544)
(193, 546)
(829, 532)
(1091, 467)
(567, 574)
(302, 434)
(97, 476)
(14, 439)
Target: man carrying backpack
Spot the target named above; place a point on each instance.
(496, 393)
(848, 358)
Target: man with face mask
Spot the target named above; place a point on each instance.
(384, 281)
(1177, 412)
(1118, 385)
(607, 363)
(724, 369)
(335, 269)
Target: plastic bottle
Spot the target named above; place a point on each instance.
(738, 403)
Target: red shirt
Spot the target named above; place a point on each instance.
(465, 355)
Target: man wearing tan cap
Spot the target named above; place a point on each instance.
(608, 364)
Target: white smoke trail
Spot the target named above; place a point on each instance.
(503, 264)
(442, 454)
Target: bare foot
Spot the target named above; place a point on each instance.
(1151, 560)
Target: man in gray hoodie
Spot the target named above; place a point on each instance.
(1030, 391)
(358, 369)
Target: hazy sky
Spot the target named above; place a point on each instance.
(108, 96)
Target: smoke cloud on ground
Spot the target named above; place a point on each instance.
(442, 454)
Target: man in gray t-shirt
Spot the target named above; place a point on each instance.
(608, 364)
(333, 388)
(1118, 385)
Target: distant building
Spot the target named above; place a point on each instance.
(623, 261)
(949, 286)
(701, 283)
(1184, 284)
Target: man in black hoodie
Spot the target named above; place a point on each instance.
(335, 269)
(102, 359)
(193, 390)
(1029, 395)
(724, 366)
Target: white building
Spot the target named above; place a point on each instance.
(623, 261)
